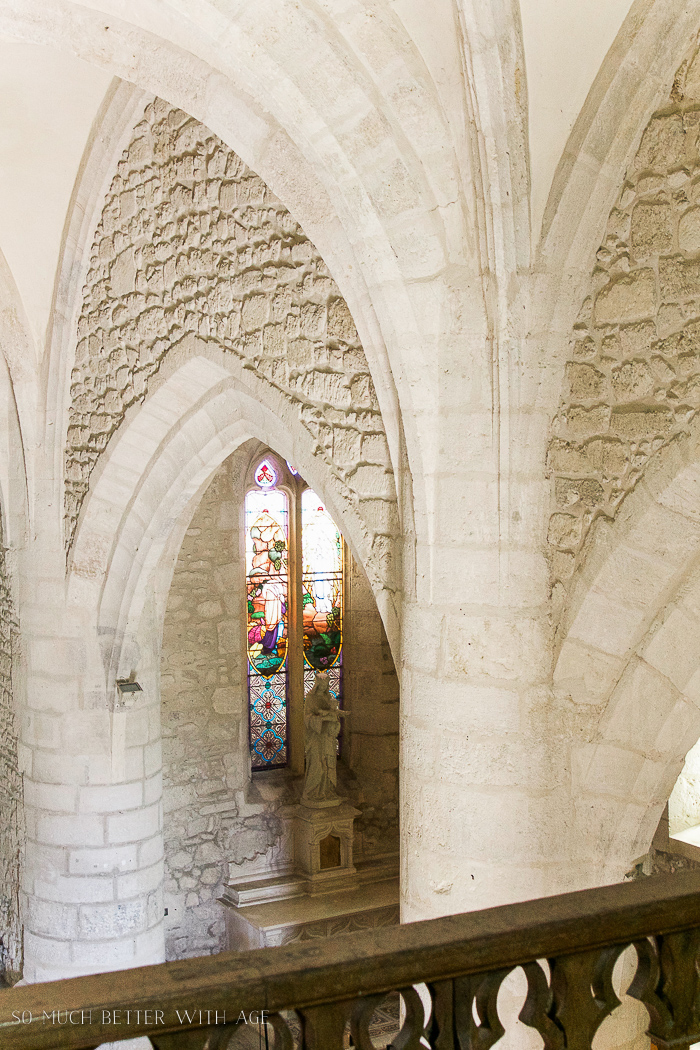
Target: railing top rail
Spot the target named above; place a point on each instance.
(322, 971)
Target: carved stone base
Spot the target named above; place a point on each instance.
(323, 843)
(282, 908)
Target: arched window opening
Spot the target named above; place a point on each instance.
(295, 599)
(684, 803)
(218, 829)
(267, 572)
(322, 594)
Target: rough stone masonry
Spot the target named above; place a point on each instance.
(633, 373)
(10, 795)
(192, 243)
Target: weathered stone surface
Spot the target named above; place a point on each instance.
(585, 382)
(217, 824)
(192, 241)
(567, 458)
(607, 456)
(589, 493)
(634, 339)
(651, 228)
(642, 424)
(564, 531)
(678, 279)
(689, 231)
(627, 299)
(632, 381)
(11, 828)
(663, 144)
(583, 422)
(636, 352)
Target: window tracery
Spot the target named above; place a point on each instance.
(295, 559)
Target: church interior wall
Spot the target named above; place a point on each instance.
(632, 367)
(218, 823)
(11, 790)
(330, 255)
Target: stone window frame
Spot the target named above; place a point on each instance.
(293, 486)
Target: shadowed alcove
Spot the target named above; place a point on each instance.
(222, 821)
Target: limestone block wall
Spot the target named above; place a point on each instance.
(191, 242)
(633, 373)
(10, 795)
(94, 842)
(372, 697)
(216, 821)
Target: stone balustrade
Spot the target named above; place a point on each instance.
(567, 947)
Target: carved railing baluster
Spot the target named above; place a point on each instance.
(283, 1039)
(322, 1027)
(583, 993)
(412, 1029)
(336, 987)
(480, 993)
(645, 985)
(361, 1018)
(440, 1030)
(668, 983)
(538, 1007)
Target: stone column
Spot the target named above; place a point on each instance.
(484, 744)
(479, 767)
(94, 852)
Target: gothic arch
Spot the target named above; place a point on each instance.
(249, 290)
(629, 656)
(627, 484)
(631, 371)
(149, 482)
(327, 172)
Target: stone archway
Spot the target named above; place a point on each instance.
(141, 500)
(221, 823)
(629, 659)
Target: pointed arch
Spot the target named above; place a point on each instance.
(149, 483)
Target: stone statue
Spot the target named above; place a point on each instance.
(321, 727)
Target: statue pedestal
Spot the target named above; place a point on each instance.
(322, 894)
(323, 843)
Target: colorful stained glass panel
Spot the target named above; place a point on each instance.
(322, 590)
(266, 475)
(268, 720)
(267, 579)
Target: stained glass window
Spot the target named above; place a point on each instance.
(322, 594)
(266, 475)
(284, 653)
(267, 577)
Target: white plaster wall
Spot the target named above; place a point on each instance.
(565, 43)
(48, 101)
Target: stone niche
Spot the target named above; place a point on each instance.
(221, 825)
